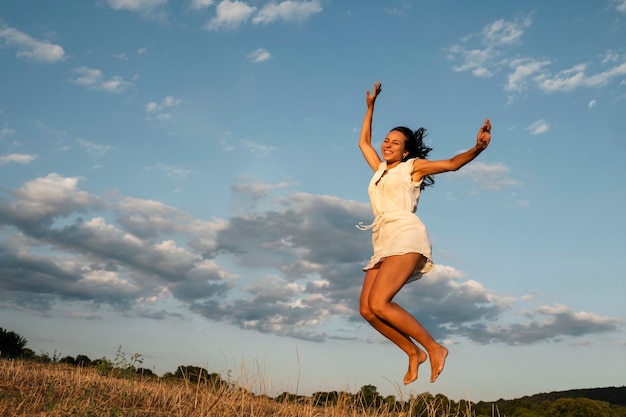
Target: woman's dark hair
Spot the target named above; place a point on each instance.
(414, 144)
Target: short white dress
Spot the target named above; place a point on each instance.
(396, 229)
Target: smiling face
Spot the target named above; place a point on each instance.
(392, 148)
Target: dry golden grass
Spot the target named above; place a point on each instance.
(55, 390)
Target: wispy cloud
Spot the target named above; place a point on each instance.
(94, 79)
(17, 158)
(493, 41)
(160, 111)
(576, 77)
(200, 4)
(488, 54)
(30, 48)
(539, 127)
(5, 132)
(257, 148)
(94, 149)
(260, 55)
(487, 176)
(172, 172)
(152, 9)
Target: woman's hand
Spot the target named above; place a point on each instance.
(371, 98)
(484, 136)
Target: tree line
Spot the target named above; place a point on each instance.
(597, 402)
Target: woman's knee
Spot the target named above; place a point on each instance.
(366, 312)
(378, 307)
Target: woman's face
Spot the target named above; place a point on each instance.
(392, 148)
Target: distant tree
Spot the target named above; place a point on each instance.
(286, 397)
(322, 399)
(83, 360)
(68, 360)
(392, 405)
(11, 344)
(28, 354)
(368, 396)
(579, 407)
(145, 372)
(197, 374)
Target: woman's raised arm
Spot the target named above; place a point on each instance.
(365, 140)
(424, 167)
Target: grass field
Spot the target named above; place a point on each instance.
(56, 390)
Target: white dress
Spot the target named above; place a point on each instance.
(396, 229)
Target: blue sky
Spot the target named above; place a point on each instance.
(182, 178)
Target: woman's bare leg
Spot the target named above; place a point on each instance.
(403, 341)
(391, 277)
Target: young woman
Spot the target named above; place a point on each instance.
(402, 250)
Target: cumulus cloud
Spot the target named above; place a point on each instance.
(230, 15)
(94, 79)
(592, 104)
(288, 270)
(30, 48)
(288, 11)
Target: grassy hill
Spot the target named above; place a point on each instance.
(30, 388)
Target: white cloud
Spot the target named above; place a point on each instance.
(487, 176)
(620, 5)
(490, 57)
(306, 246)
(539, 127)
(523, 69)
(289, 11)
(30, 48)
(502, 32)
(592, 104)
(260, 55)
(200, 4)
(174, 173)
(95, 149)
(494, 40)
(257, 148)
(230, 15)
(17, 158)
(159, 110)
(93, 79)
(146, 8)
(5, 132)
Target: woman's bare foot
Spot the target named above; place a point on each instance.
(414, 362)
(437, 362)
